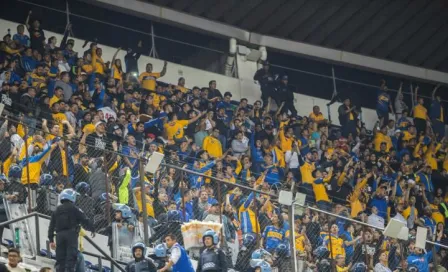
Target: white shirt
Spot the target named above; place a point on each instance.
(15, 269)
(175, 254)
(292, 159)
(375, 220)
(381, 268)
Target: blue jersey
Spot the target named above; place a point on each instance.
(420, 261)
(383, 100)
(22, 39)
(347, 236)
(184, 263)
(273, 236)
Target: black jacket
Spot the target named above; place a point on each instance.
(213, 260)
(145, 265)
(67, 216)
(27, 104)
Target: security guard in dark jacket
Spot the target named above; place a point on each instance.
(65, 222)
(266, 80)
(284, 94)
(212, 258)
(140, 263)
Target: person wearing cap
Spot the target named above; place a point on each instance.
(283, 95)
(96, 142)
(266, 80)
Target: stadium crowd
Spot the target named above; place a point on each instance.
(75, 120)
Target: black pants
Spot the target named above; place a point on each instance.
(66, 250)
(265, 94)
(420, 125)
(349, 127)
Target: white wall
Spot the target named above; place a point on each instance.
(100, 240)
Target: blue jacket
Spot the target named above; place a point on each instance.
(29, 63)
(435, 111)
(184, 262)
(420, 261)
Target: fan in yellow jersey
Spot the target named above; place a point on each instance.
(320, 192)
(148, 79)
(337, 243)
(174, 129)
(212, 145)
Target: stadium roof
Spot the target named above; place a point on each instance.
(401, 37)
(414, 32)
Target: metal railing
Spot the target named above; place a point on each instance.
(97, 247)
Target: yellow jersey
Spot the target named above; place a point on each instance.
(420, 112)
(212, 146)
(175, 129)
(148, 80)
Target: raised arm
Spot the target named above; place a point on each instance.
(434, 91)
(27, 21)
(163, 72)
(197, 117)
(115, 55)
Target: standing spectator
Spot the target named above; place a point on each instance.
(420, 114)
(36, 34)
(400, 105)
(131, 60)
(437, 115)
(28, 108)
(21, 39)
(283, 95)
(347, 118)
(383, 104)
(266, 80)
(148, 79)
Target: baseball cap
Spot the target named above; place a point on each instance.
(99, 123)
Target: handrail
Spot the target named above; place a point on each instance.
(36, 215)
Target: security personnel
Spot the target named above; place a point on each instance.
(65, 222)
(266, 80)
(261, 266)
(140, 262)
(84, 201)
(160, 255)
(284, 94)
(212, 258)
(179, 260)
(245, 253)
